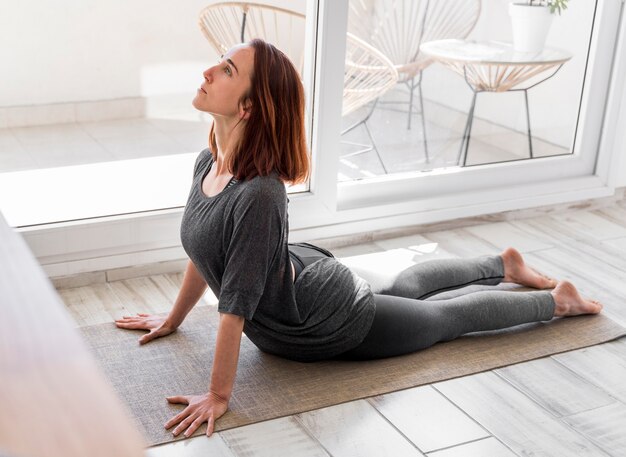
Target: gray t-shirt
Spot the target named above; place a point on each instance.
(237, 240)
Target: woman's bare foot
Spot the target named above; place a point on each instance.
(515, 270)
(569, 302)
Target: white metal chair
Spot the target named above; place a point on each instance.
(398, 27)
(368, 73)
(226, 24)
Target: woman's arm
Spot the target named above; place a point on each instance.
(226, 355)
(190, 292)
(212, 405)
(158, 326)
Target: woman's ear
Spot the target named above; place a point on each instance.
(244, 109)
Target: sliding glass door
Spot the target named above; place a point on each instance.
(466, 108)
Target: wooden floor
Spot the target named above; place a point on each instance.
(571, 404)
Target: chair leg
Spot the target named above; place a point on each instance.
(366, 147)
(423, 120)
(411, 88)
(412, 85)
(375, 148)
(467, 133)
(365, 119)
(243, 26)
(530, 141)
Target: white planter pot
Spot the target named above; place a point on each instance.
(530, 26)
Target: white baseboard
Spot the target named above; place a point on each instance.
(78, 273)
(66, 113)
(117, 274)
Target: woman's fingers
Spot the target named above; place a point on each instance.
(132, 325)
(200, 409)
(133, 318)
(139, 317)
(180, 416)
(129, 321)
(194, 426)
(192, 422)
(177, 418)
(148, 337)
(185, 423)
(129, 325)
(178, 399)
(210, 425)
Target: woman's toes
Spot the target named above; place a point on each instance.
(569, 302)
(598, 305)
(546, 281)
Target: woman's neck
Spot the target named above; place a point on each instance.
(226, 137)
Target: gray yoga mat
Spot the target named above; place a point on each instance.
(268, 387)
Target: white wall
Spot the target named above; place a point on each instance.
(553, 104)
(621, 174)
(89, 50)
(619, 147)
(63, 51)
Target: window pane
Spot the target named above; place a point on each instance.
(444, 53)
(98, 120)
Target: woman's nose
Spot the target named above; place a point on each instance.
(208, 74)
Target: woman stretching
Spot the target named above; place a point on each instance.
(298, 301)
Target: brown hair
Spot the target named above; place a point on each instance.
(274, 138)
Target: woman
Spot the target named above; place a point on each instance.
(235, 229)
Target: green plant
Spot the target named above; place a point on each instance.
(555, 5)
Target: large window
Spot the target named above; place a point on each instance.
(427, 160)
(391, 169)
(460, 98)
(101, 124)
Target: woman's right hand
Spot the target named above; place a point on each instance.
(157, 326)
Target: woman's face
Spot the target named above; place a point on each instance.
(226, 83)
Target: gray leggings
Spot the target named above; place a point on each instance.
(405, 321)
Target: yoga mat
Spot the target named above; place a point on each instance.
(268, 387)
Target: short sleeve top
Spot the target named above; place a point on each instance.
(238, 241)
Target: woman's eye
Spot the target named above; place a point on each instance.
(227, 70)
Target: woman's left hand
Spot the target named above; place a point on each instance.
(201, 408)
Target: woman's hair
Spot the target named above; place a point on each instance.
(274, 137)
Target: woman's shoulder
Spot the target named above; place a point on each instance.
(263, 193)
(266, 186)
(205, 155)
(203, 158)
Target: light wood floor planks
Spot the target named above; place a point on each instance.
(562, 392)
(489, 447)
(283, 437)
(355, 428)
(428, 419)
(604, 426)
(517, 421)
(571, 404)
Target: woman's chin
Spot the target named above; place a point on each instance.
(197, 104)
